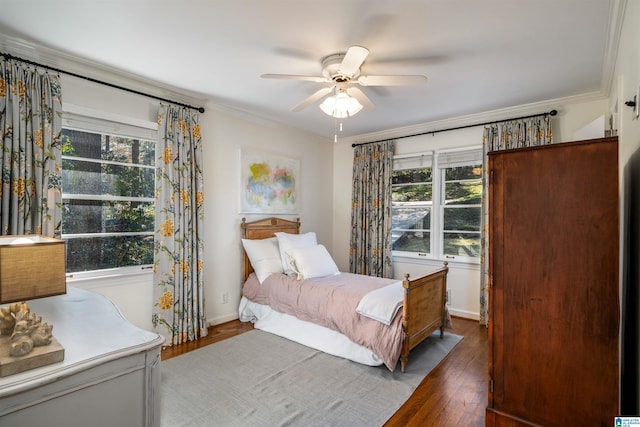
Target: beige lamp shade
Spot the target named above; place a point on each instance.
(31, 266)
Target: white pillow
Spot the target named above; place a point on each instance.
(264, 256)
(288, 241)
(312, 261)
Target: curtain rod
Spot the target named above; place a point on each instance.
(548, 113)
(57, 70)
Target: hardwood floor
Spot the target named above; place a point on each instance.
(215, 334)
(454, 394)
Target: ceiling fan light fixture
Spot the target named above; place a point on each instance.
(340, 106)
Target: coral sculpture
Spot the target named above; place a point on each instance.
(24, 327)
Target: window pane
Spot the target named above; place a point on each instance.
(412, 193)
(99, 216)
(462, 219)
(463, 193)
(80, 177)
(128, 181)
(456, 205)
(411, 217)
(126, 150)
(102, 168)
(108, 147)
(411, 241)
(463, 172)
(85, 254)
(410, 228)
(462, 244)
(406, 176)
(82, 144)
(411, 223)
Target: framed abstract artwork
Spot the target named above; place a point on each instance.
(269, 182)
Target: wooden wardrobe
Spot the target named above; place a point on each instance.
(554, 289)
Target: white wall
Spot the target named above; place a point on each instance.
(223, 134)
(464, 279)
(132, 294)
(626, 84)
(326, 172)
(326, 180)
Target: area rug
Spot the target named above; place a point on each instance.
(257, 379)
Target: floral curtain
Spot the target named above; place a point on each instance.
(529, 132)
(370, 245)
(30, 151)
(178, 312)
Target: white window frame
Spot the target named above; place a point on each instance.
(84, 119)
(440, 159)
(412, 161)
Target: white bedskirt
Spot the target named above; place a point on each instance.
(306, 333)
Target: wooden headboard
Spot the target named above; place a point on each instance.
(263, 229)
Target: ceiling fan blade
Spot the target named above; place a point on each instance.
(313, 98)
(392, 80)
(353, 59)
(318, 79)
(363, 99)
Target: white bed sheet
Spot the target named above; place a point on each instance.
(305, 333)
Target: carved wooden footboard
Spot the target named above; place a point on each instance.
(424, 309)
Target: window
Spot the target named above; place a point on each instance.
(412, 204)
(108, 196)
(436, 205)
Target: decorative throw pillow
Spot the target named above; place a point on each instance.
(264, 256)
(312, 261)
(288, 241)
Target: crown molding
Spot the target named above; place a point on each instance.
(616, 18)
(63, 61)
(74, 64)
(477, 118)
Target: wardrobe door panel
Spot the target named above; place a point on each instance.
(554, 308)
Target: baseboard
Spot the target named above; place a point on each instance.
(465, 314)
(221, 319)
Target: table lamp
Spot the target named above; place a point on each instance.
(31, 266)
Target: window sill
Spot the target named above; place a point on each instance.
(110, 277)
(414, 258)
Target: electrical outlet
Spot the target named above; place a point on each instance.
(225, 297)
(448, 296)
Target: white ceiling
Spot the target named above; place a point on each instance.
(478, 55)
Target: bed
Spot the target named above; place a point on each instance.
(269, 301)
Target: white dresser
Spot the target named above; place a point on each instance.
(110, 375)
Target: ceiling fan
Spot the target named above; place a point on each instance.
(342, 70)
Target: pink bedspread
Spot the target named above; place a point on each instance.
(331, 302)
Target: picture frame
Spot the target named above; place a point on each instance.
(269, 182)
